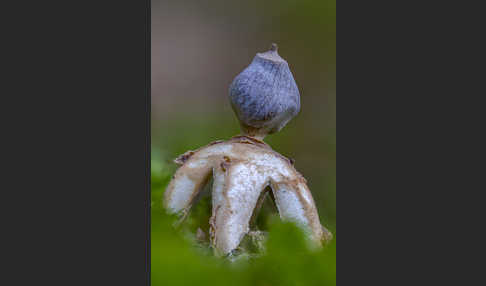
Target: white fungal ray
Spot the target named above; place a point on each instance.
(186, 183)
(242, 168)
(234, 203)
(294, 202)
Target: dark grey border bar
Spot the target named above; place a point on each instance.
(75, 193)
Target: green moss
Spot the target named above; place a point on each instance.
(178, 260)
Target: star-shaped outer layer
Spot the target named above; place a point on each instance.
(242, 168)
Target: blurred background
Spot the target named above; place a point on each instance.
(198, 47)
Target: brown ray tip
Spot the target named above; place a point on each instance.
(273, 47)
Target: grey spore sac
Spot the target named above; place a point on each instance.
(264, 95)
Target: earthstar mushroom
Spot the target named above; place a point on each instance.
(264, 97)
